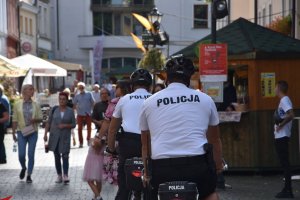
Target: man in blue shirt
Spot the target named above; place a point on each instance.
(84, 103)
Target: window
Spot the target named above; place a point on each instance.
(100, 2)
(270, 13)
(26, 25)
(127, 24)
(116, 24)
(30, 27)
(137, 27)
(45, 24)
(264, 17)
(102, 23)
(116, 63)
(21, 24)
(105, 63)
(129, 62)
(283, 8)
(201, 16)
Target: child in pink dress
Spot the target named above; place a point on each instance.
(110, 172)
(93, 167)
(110, 162)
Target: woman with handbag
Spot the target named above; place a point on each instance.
(61, 122)
(27, 115)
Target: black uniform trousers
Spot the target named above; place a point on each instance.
(194, 169)
(282, 149)
(130, 146)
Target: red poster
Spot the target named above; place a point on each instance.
(213, 62)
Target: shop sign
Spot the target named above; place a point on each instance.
(213, 62)
(232, 116)
(26, 47)
(214, 90)
(268, 84)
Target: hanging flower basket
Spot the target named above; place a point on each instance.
(153, 61)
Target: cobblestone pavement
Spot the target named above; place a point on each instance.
(45, 188)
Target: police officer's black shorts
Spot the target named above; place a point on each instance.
(194, 169)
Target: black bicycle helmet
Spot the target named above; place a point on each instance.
(141, 77)
(180, 66)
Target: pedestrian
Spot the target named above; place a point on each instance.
(158, 87)
(96, 93)
(93, 167)
(74, 89)
(176, 124)
(61, 121)
(110, 162)
(4, 117)
(71, 105)
(27, 116)
(283, 123)
(126, 114)
(84, 103)
(5, 102)
(100, 108)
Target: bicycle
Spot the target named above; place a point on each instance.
(176, 190)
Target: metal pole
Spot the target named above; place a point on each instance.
(229, 9)
(213, 25)
(294, 18)
(255, 11)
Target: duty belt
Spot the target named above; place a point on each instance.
(129, 135)
(180, 160)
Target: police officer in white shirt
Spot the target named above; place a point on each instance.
(283, 124)
(127, 114)
(176, 124)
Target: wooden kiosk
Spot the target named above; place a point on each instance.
(259, 58)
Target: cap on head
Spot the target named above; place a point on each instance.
(97, 85)
(180, 66)
(141, 77)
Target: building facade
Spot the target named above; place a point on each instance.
(44, 37)
(12, 41)
(3, 27)
(28, 26)
(237, 9)
(186, 21)
(270, 10)
(83, 23)
(266, 12)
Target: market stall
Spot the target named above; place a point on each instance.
(258, 58)
(45, 75)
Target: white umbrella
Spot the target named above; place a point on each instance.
(38, 66)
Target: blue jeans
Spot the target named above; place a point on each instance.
(65, 159)
(22, 142)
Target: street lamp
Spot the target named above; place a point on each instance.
(154, 18)
(219, 11)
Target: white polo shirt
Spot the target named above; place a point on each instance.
(178, 118)
(129, 107)
(284, 106)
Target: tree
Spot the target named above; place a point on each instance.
(282, 25)
(153, 60)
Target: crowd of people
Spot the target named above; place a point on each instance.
(169, 126)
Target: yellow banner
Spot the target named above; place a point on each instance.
(268, 84)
